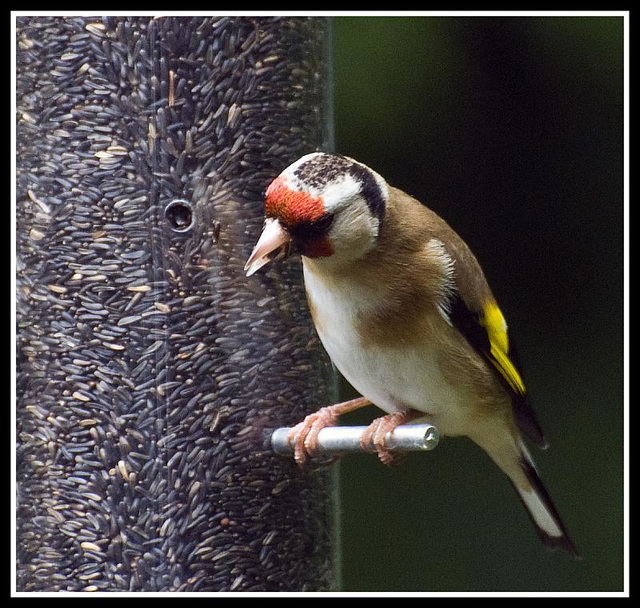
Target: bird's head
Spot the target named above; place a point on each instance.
(321, 206)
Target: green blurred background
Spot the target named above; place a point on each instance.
(511, 128)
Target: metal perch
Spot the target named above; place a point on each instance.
(344, 439)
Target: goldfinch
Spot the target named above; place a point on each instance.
(405, 313)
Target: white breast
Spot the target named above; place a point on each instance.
(393, 378)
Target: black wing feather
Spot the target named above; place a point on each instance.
(469, 324)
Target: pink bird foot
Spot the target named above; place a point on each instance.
(304, 436)
(374, 436)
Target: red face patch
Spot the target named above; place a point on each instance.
(316, 248)
(291, 207)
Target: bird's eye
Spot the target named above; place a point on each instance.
(323, 224)
(315, 229)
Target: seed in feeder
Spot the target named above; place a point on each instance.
(131, 411)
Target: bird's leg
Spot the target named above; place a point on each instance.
(304, 436)
(375, 434)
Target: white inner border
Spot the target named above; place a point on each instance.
(89, 13)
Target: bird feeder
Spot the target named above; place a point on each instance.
(150, 371)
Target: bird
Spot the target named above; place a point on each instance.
(405, 313)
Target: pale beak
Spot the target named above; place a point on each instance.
(273, 242)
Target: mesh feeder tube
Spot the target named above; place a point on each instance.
(150, 369)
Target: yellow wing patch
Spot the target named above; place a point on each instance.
(496, 326)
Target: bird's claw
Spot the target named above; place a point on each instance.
(304, 436)
(375, 435)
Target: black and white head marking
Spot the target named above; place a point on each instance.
(334, 175)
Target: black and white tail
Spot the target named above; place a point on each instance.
(540, 507)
